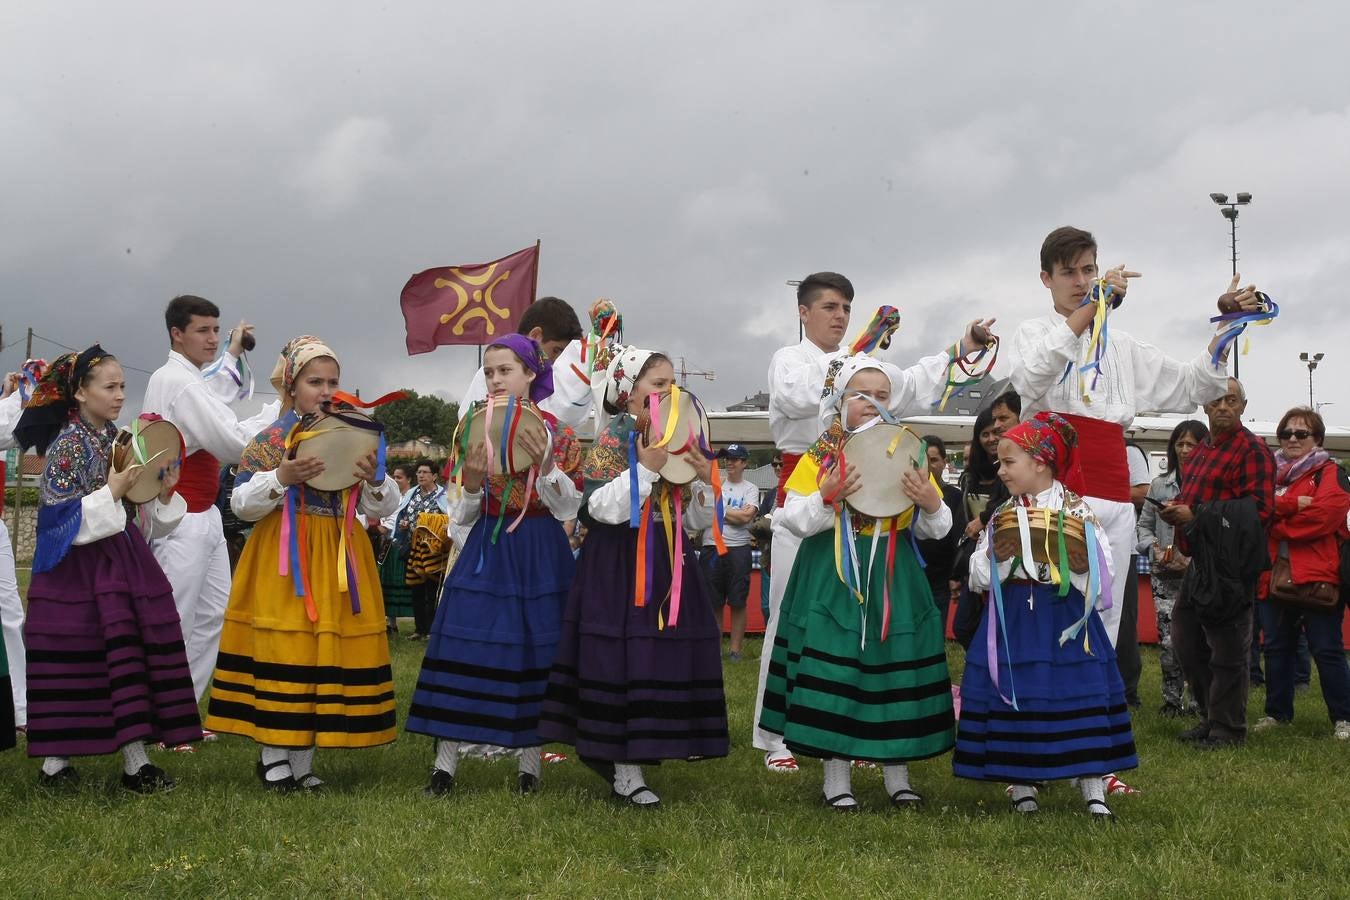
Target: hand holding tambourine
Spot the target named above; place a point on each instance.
(1006, 545)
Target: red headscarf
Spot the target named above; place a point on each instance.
(1050, 439)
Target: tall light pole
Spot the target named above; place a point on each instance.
(1230, 212)
(1311, 362)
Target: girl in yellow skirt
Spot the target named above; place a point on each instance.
(304, 661)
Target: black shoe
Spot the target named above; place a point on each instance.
(280, 785)
(526, 783)
(838, 804)
(310, 784)
(66, 779)
(1198, 733)
(642, 797)
(1214, 742)
(441, 783)
(1100, 812)
(906, 799)
(148, 780)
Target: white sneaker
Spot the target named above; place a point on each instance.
(1266, 723)
(1342, 731)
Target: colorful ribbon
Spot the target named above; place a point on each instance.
(968, 364)
(885, 322)
(1233, 324)
(30, 373)
(1103, 295)
(241, 373)
(606, 325)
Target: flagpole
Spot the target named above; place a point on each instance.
(534, 286)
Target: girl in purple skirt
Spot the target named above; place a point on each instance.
(106, 665)
(636, 679)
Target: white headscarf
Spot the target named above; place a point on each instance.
(838, 376)
(617, 382)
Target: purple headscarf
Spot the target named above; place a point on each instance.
(532, 356)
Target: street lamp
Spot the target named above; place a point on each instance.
(1311, 362)
(1230, 212)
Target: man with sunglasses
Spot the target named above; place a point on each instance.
(1226, 504)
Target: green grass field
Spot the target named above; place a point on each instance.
(1269, 820)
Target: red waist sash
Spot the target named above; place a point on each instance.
(1101, 456)
(199, 481)
(790, 461)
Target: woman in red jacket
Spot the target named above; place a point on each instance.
(1311, 503)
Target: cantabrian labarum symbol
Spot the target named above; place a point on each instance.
(480, 295)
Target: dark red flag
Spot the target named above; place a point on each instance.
(468, 304)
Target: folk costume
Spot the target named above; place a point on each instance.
(500, 613)
(1042, 698)
(859, 666)
(195, 556)
(11, 605)
(106, 664)
(1124, 376)
(638, 673)
(797, 375)
(304, 660)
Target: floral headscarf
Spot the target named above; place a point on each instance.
(297, 353)
(1050, 439)
(53, 401)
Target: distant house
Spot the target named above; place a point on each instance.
(757, 403)
(418, 447)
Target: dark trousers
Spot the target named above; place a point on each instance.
(1214, 658)
(424, 605)
(1127, 641)
(1302, 656)
(942, 594)
(1283, 626)
(969, 609)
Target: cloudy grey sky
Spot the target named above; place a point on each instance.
(296, 162)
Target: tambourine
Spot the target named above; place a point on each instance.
(692, 434)
(341, 438)
(881, 453)
(154, 444)
(1043, 531)
(504, 424)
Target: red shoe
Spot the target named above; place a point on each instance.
(1115, 786)
(549, 756)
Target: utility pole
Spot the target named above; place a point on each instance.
(1230, 212)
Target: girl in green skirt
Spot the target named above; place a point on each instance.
(859, 667)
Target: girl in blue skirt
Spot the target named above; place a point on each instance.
(1042, 698)
(496, 628)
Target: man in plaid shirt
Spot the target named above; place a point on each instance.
(1231, 464)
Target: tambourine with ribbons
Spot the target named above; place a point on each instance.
(677, 422)
(881, 450)
(340, 435)
(502, 422)
(1043, 536)
(153, 443)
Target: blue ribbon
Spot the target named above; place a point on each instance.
(634, 509)
(292, 495)
(1235, 323)
(996, 612)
